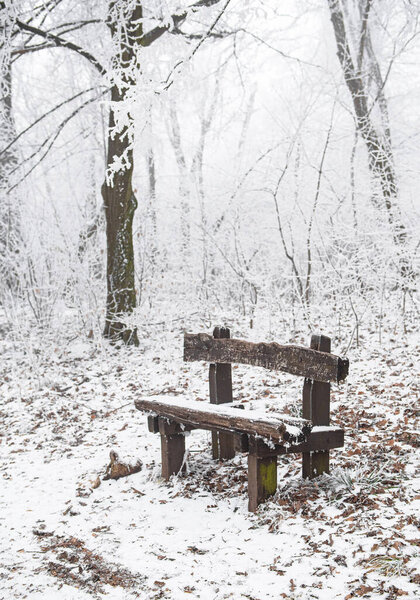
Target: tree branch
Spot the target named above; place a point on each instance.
(197, 36)
(59, 41)
(42, 117)
(363, 33)
(49, 142)
(70, 27)
(154, 34)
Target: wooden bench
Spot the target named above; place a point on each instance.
(264, 435)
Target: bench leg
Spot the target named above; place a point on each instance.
(223, 445)
(262, 478)
(315, 464)
(220, 382)
(320, 462)
(173, 452)
(316, 408)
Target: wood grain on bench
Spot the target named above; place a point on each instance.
(277, 427)
(296, 360)
(318, 438)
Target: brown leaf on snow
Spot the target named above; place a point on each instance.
(360, 591)
(96, 483)
(276, 570)
(40, 533)
(394, 592)
(117, 469)
(196, 550)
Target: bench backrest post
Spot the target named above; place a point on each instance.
(220, 381)
(316, 408)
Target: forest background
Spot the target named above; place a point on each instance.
(167, 166)
(274, 163)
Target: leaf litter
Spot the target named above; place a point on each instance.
(354, 533)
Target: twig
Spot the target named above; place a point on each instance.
(169, 80)
(49, 142)
(59, 41)
(49, 112)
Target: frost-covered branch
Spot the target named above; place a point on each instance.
(58, 41)
(174, 22)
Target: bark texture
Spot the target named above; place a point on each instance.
(10, 232)
(118, 194)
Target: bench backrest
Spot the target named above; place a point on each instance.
(296, 360)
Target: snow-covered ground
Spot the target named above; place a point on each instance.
(65, 406)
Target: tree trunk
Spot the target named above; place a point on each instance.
(10, 233)
(183, 189)
(151, 172)
(197, 176)
(117, 191)
(120, 204)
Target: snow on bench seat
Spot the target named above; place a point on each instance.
(274, 426)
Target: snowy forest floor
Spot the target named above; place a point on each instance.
(66, 405)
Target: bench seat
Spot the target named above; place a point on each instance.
(275, 426)
(267, 435)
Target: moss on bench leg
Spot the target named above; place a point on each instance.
(262, 474)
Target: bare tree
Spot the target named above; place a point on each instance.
(10, 237)
(360, 67)
(183, 186)
(120, 202)
(125, 22)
